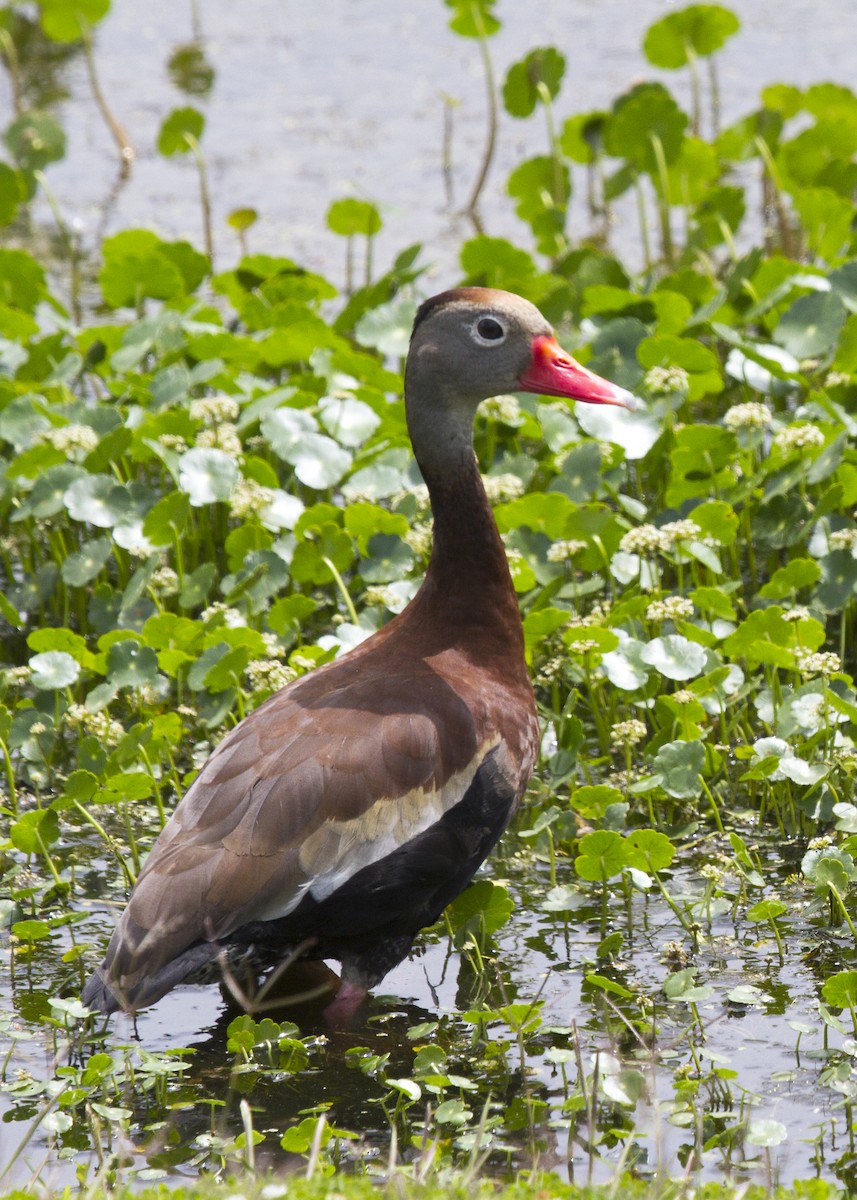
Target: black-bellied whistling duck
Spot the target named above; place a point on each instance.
(350, 808)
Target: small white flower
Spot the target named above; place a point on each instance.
(664, 380)
(75, 441)
(250, 498)
(500, 488)
(799, 437)
(645, 539)
(671, 608)
(824, 662)
(505, 409)
(628, 733)
(221, 437)
(752, 415)
(563, 551)
(214, 410)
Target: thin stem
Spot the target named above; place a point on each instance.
(204, 195)
(13, 63)
(343, 590)
(120, 137)
(491, 139)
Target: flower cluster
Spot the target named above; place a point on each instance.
(843, 539)
(221, 437)
(664, 380)
(628, 733)
(565, 550)
(500, 488)
(214, 410)
(164, 581)
(824, 662)
(269, 673)
(504, 409)
(250, 498)
(671, 608)
(75, 441)
(100, 724)
(752, 415)
(645, 539)
(799, 437)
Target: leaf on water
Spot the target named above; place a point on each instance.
(53, 669)
(207, 475)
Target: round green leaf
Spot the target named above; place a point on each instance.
(674, 656)
(811, 326)
(350, 217)
(678, 766)
(98, 500)
(645, 111)
(207, 475)
(82, 567)
(526, 81)
(602, 855)
(35, 139)
(698, 29)
(840, 990)
(69, 20)
(53, 669)
(179, 130)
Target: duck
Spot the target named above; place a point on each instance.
(340, 817)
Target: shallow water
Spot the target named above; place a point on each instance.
(765, 1070)
(347, 99)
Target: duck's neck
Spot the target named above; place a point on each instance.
(468, 585)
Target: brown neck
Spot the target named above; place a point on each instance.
(468, 586)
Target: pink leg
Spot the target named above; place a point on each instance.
(340, 1012)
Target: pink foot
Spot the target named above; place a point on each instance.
(340, 1012)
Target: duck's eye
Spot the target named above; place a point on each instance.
(489, 329)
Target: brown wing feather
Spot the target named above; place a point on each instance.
(328, 775)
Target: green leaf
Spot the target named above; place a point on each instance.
(179, 130)
(207, 475)
(648, 850)
(473, 18)
(167, 519)
(602, 854)
(540, 72)
(35, 139)
(678, 766)
(81, 567)
(352, 217)
(797, 574)
(70, 20)
(674, 656)
(130, 664)
(699, 30)
(34, 831)
(484, 904)
(840, 989)
(53, 669)
(647, 111)
(810, 327)
(98, 500)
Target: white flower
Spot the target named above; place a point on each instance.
(75, 441)
(671, 608)
(562, 551)
(503, 487)
(221, 437)
(664, 380)
(214, 409)
(505, 409)
(645, 539)
(250, 498)
(799, 437)
(628, 733)
(752, 415)
(821, 663)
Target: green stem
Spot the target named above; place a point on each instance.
(491, 138)
(343, 590)
(204, 194)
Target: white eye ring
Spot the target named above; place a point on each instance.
(488, 331)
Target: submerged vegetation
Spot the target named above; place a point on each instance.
(207, 490)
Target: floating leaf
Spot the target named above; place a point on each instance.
(695, 31)
(528, 82)
(53, 669)
(207, 475)
(179, 130)
(674, 656)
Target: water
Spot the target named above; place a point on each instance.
(313, 103)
